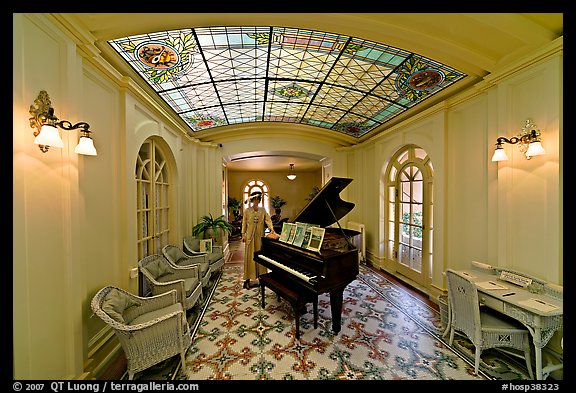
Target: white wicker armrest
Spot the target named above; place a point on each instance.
(155, 302)
(183, 272)
(196, 259)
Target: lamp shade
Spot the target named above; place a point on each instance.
(49, 136)
(291, 175)
(85, 146)
(535, 149)
(499, 155)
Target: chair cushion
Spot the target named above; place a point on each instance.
(166, 278)
(115, 303)
(214, 257)
(177, 256)
(158, 269)
(183, 261)
(194, 244)
(149, 316)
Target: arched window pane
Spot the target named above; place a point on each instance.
(408, 236)
(420, 153)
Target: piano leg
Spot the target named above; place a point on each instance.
(315, 308)
(336, 297)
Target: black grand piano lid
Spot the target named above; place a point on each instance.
(327, 207)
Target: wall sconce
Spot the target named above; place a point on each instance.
(46, 124)
(528, 143)
(291, 175)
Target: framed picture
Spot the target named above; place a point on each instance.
(206, 245)
(316, 238)
(307, 234)
(299, 235)
(285, 234)
(292, 234)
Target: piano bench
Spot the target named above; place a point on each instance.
(297, 300)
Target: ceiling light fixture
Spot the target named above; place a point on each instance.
(528, 143)
(47, 124)
(291, 175)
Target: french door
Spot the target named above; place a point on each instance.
(409, 184)
(410, 228)
(153, 203)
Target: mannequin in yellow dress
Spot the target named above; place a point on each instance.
(253, 222)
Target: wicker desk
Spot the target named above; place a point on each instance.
(512, 302)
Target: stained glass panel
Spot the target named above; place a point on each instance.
(216, 76)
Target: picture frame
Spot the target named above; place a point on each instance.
(291, 234)
(316, 238)
(285, 234)
(299, 234)
(307, 234)
(206, 245)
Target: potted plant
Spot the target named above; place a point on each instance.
(234, 205)
(209, 226)
(315, 190)
(277, 203)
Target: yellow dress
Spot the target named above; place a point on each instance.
(253, 230)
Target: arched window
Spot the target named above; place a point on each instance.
(409, 212)
(152, 201)
(253, 186)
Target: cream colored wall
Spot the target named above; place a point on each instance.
(50, 250)
(294, 192)
(528, 191)
(74, 226)
(505, 214)
(369, 162)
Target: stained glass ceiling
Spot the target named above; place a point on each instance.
(218, 76)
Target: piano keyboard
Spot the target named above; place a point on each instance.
(308, 277)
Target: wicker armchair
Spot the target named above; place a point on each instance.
(163, 277)
(177, 257)
(484, 327)
(150, 329)
(191, 246)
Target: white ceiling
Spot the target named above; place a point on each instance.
(274, 161)
(475, 43)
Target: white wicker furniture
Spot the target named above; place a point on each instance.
(486, 328)
(177, 257)
(150, 329)
(191, 246)
(163, 277)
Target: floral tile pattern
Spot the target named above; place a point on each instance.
(387, 334)
(238, 340)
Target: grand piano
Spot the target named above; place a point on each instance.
(329, 270)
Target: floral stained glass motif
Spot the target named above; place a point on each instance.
(217, 76)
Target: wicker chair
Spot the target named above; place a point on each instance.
(484, 327)
(163, 277)
(177, 257)
(150, 329)
(191, 246)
